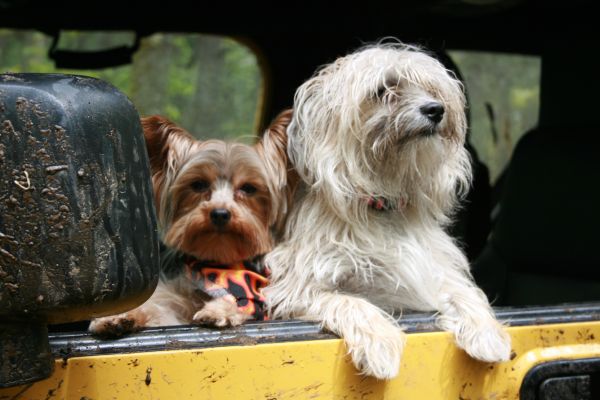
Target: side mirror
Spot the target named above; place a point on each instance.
(78, 235)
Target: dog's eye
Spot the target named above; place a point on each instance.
(200, 186)
(381, 91)
(248, 188)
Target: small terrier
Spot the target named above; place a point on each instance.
(377, 138)
(218, 205)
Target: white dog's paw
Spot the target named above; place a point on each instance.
(489, 343)
(220, 313)
(378, 354)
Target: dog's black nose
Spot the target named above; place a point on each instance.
(434, 111)
(220, 216)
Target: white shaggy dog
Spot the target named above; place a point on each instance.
(377, 139)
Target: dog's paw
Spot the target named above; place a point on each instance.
(378, 354)
(115, 325)
(220, 313)
(489, 343)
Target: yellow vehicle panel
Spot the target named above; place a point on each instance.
(432, 368)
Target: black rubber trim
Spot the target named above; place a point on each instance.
(70, 344)
(99, 59)
(563, 368)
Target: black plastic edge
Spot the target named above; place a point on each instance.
(560, 368)
(72, 344)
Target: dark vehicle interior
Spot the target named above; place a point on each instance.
(531, 231)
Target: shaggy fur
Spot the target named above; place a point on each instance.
(369, 126)
(192, 179)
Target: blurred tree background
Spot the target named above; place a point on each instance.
(503, 93)
(209, 85)
(212, 86)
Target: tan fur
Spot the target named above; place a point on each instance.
(220, 313)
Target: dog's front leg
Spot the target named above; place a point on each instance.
(120, 324)
(220, 313)
(465, 311)
(373, 338)
(163, 308)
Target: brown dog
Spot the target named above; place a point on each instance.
(218, 205)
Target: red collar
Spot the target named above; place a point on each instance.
(382, 204)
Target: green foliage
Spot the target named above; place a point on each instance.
(207, 84)
(212, 85)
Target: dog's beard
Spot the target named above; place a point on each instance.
(244, 237)
(396, 117)
(224, 247)
(389, 134)
(401, 151)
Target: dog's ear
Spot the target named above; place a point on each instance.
(272, 147)
(160, 135)
(164, 140)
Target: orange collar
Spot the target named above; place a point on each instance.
(241, 283)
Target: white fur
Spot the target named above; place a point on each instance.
(357, 132)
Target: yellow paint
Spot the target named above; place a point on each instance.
(432, 368)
